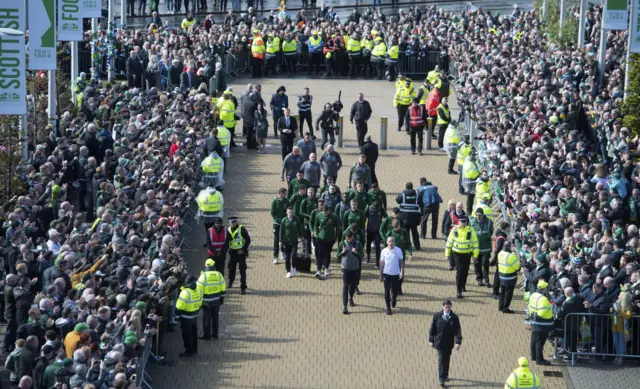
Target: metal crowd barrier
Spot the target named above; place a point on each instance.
(590, 334)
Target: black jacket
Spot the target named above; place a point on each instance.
(444, 334)
(370, 150)
(293, 126)
(249, 107)
(574, 304)
(360, 111)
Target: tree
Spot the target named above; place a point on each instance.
(631, 106)
(551, 20)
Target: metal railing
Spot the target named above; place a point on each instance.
(590, 334)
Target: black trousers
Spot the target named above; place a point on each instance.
(413, 220)
(402, 111)
(287, 145)
(496, 283)
(419, 132)
(142, 5)
(442, 128)
(374, 237)
(481, 267)
(10, 335)
(220, 262)
(349, 283)
(306, 241)
(238, 261)
(470, 198)
(354, 62)
(361, 129)
(316, 59)
(270, 66)
(256, 66)
(506, 294)
(463, 261)
(434, 211)
(305, 116)
(210, 319)
(538, 339)
(186, 6)
(290, 60)
(289, 253)
(444, 358)
(190, 334)
(131, 7)
(367, 68)
(391, 288)
(450, 166)
(323, 253)
(276, 239)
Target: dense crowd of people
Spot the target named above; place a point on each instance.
(92, 263)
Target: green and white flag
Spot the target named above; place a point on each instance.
(42, 34)
(92, 8)
(616, 15)
(13, 77)
(70, 15)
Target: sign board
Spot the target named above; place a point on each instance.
(13, 77)
(634, 37)
(616, 15)
(92, 8)
(42, 34)
(70, 15)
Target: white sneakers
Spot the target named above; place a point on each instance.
(289, 275)
(293, 271)
(327, 272)
(275, 260)
(318, 274)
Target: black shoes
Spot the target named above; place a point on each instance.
(345, 311)
(243, 291)
(495, 296)
(452, 172)
(204, 337)
(543, 362)
(480, 283)
(393, 303)
(186, 355)
(459, 295)
(358, 291)
(351, 303)
(509, 311)
(389, 312)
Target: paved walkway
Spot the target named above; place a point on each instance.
(290, 333)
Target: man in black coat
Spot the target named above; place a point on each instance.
(370, 150)
(573, 303)
(91, 141)
(287, 125)
(188, 79)
(134, 70)
(598, 302)
(445, 333)
(249, 107)
(361, 113)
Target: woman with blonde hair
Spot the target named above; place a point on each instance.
(620, 324)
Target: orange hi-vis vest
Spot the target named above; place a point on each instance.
(217, 240)
(415, 116)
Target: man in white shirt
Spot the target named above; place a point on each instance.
(391, 272)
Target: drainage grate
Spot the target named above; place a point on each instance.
(549, 373)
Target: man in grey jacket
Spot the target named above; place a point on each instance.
(307, 146)
(331, 163)
(312, 170)
(350, 254)
(291, 164)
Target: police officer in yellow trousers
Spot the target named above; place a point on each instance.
(211, 284)
(462, 244)
(238, 241)
(541, 322)
(508, 267)
(522, 377)
(187, 308)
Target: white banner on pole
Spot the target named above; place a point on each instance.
(70, 15)
(616, 15)
(42, 34)
(634, 40)
(92, 8)
(13, 77)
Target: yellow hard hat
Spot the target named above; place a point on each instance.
(209, 262)
(542, 284)
(523, 362)
(328, 55)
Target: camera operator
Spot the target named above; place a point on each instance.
(327, 122)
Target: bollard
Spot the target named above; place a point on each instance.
(383, 132)
(340, 130)
(429, 131)
(297, 117)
